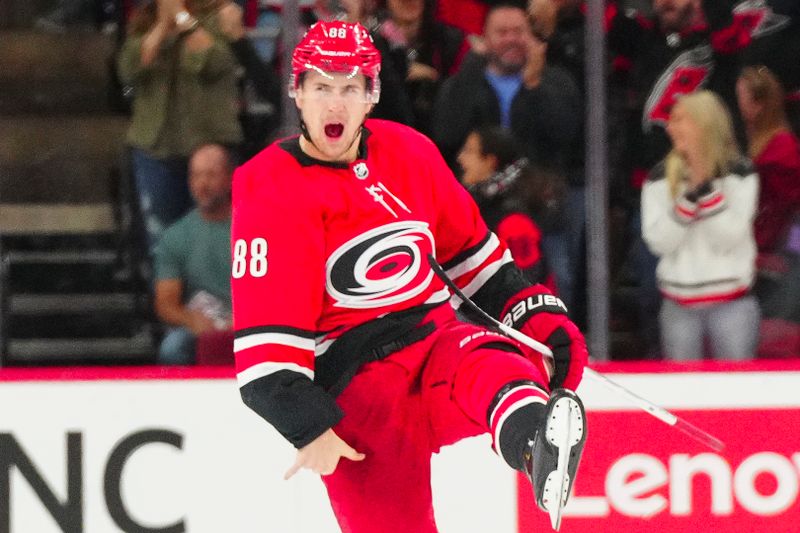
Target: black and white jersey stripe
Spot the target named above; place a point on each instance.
(486, 273)
(267, 368)
(484, 247)
(283, 335)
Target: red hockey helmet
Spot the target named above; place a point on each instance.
(337, 47)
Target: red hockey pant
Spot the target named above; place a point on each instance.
(400, 410)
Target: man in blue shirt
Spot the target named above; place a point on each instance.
(513, 86)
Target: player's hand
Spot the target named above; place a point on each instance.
(538, 314)
(322, 455)
(568, 345)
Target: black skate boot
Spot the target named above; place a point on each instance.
(552, 459)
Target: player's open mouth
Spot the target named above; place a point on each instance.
(334, 131)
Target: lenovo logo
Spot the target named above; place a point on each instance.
(641, 485)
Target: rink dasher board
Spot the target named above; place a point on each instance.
(223, 469)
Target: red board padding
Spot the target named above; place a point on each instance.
(90, 373)
(634, 464)
(96, 373)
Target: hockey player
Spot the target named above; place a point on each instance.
(346, 341)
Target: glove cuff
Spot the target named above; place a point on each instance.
(529, 302)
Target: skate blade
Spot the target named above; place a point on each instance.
(564, 430)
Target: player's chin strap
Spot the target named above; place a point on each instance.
(658, 412)
(304, 128)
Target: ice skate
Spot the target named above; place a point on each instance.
(552, 460)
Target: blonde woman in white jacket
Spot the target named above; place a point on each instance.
(698, 207)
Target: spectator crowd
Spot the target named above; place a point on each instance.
(704, 114)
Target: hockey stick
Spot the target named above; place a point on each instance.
(660, 413)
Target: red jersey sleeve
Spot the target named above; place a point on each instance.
(277, 283)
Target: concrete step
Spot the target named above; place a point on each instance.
(61, 257)
(57, 304)
(40, 139)
(111, 350)
(79, 325)
(60, 159)
(56, 219)
(22, 13)
(45, 72)
(46, 263)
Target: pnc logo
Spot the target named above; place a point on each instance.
(69, 512)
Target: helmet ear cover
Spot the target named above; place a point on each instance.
(337, 47)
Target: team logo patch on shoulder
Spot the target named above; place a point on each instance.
(381, 267)
(361, 170)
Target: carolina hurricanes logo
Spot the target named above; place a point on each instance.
(756, 17)
(383, 266)
(686, 74)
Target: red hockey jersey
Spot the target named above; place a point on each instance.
(320, 248)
